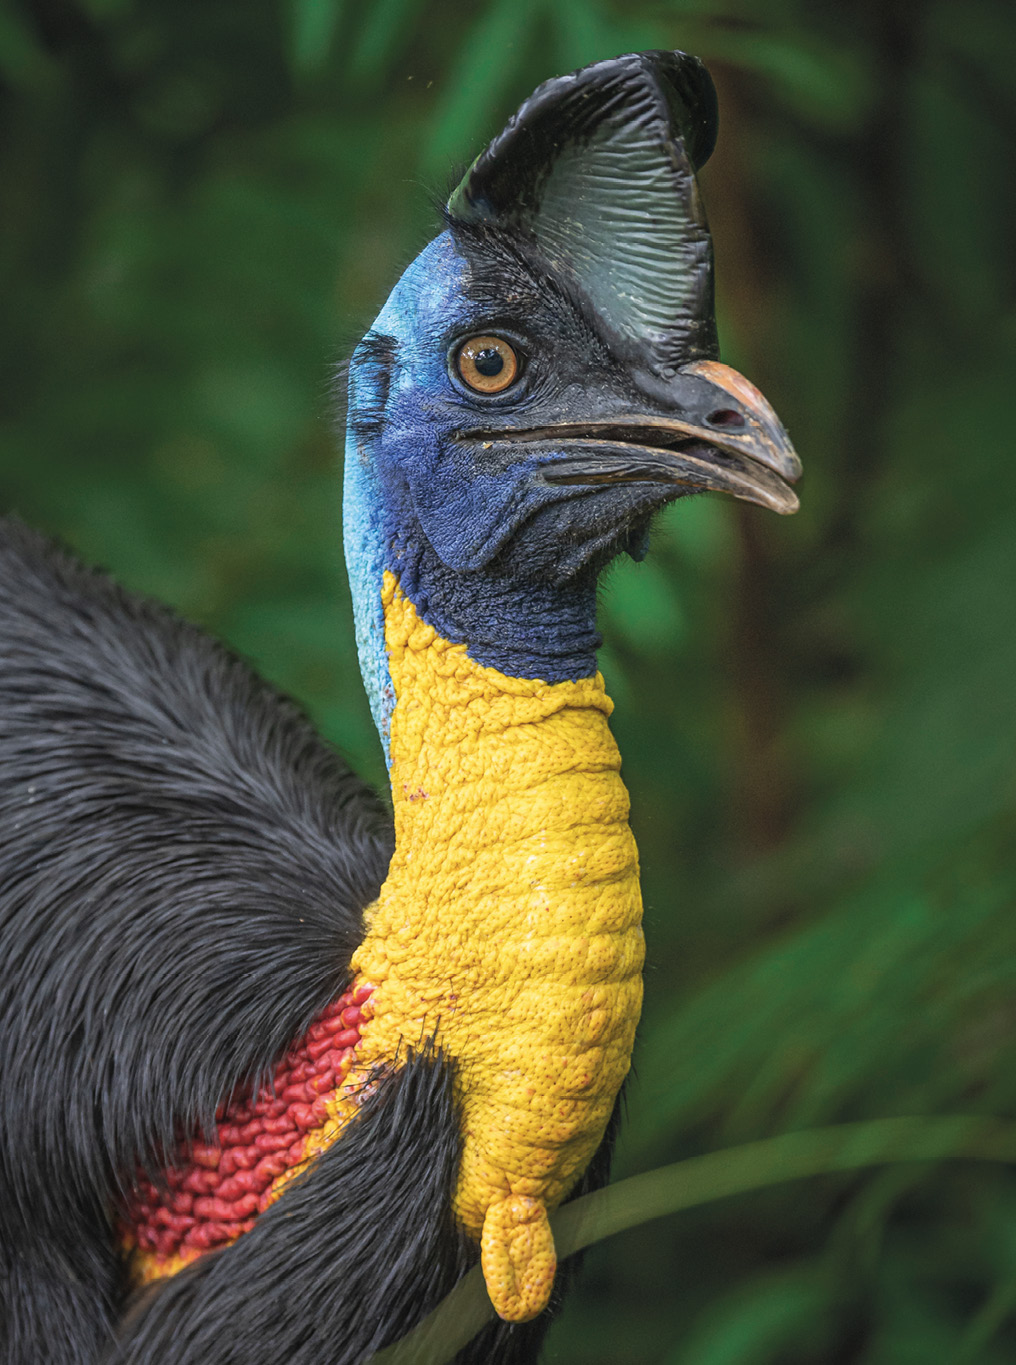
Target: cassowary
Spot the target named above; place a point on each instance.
(272, 1077)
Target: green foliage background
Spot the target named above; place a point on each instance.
(204, 202)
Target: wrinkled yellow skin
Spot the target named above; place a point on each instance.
(508, 929)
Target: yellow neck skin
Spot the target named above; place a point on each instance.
(508, 929)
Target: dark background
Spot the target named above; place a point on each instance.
(202, 205)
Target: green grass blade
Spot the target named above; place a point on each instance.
(701, 1180)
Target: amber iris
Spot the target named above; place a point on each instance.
(487, 364)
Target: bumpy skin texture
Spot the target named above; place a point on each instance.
(509, 929)
(263, 1139)
(184, 866)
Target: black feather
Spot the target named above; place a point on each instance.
(183, 870)
(350, 1259)
(371, 369)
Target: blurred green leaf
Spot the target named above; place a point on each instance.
(826, 82)
(104, 10)
(483, 72)
(387, 27)
(752, 1325)
(23, 60)
(701, 1180)
(314, 26)
(584, 32)
(639, 604)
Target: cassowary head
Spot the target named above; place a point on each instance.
(544, 377)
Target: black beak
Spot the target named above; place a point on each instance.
(722, 436)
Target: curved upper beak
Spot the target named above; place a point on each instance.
(718, 434)
(724, 436)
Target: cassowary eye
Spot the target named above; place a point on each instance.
(487, 364)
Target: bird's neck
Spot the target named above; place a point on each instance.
(507, 934)
(508, 929)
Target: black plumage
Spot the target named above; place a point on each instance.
(184, 868)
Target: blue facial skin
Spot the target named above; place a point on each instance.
(490, 555)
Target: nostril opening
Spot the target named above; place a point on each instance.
(725, 417)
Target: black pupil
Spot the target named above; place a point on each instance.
(488, 362)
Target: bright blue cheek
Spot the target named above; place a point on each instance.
(437, 487)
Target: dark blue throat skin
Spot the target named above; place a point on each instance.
(527, 630)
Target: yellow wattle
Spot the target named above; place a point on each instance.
(508, 928)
